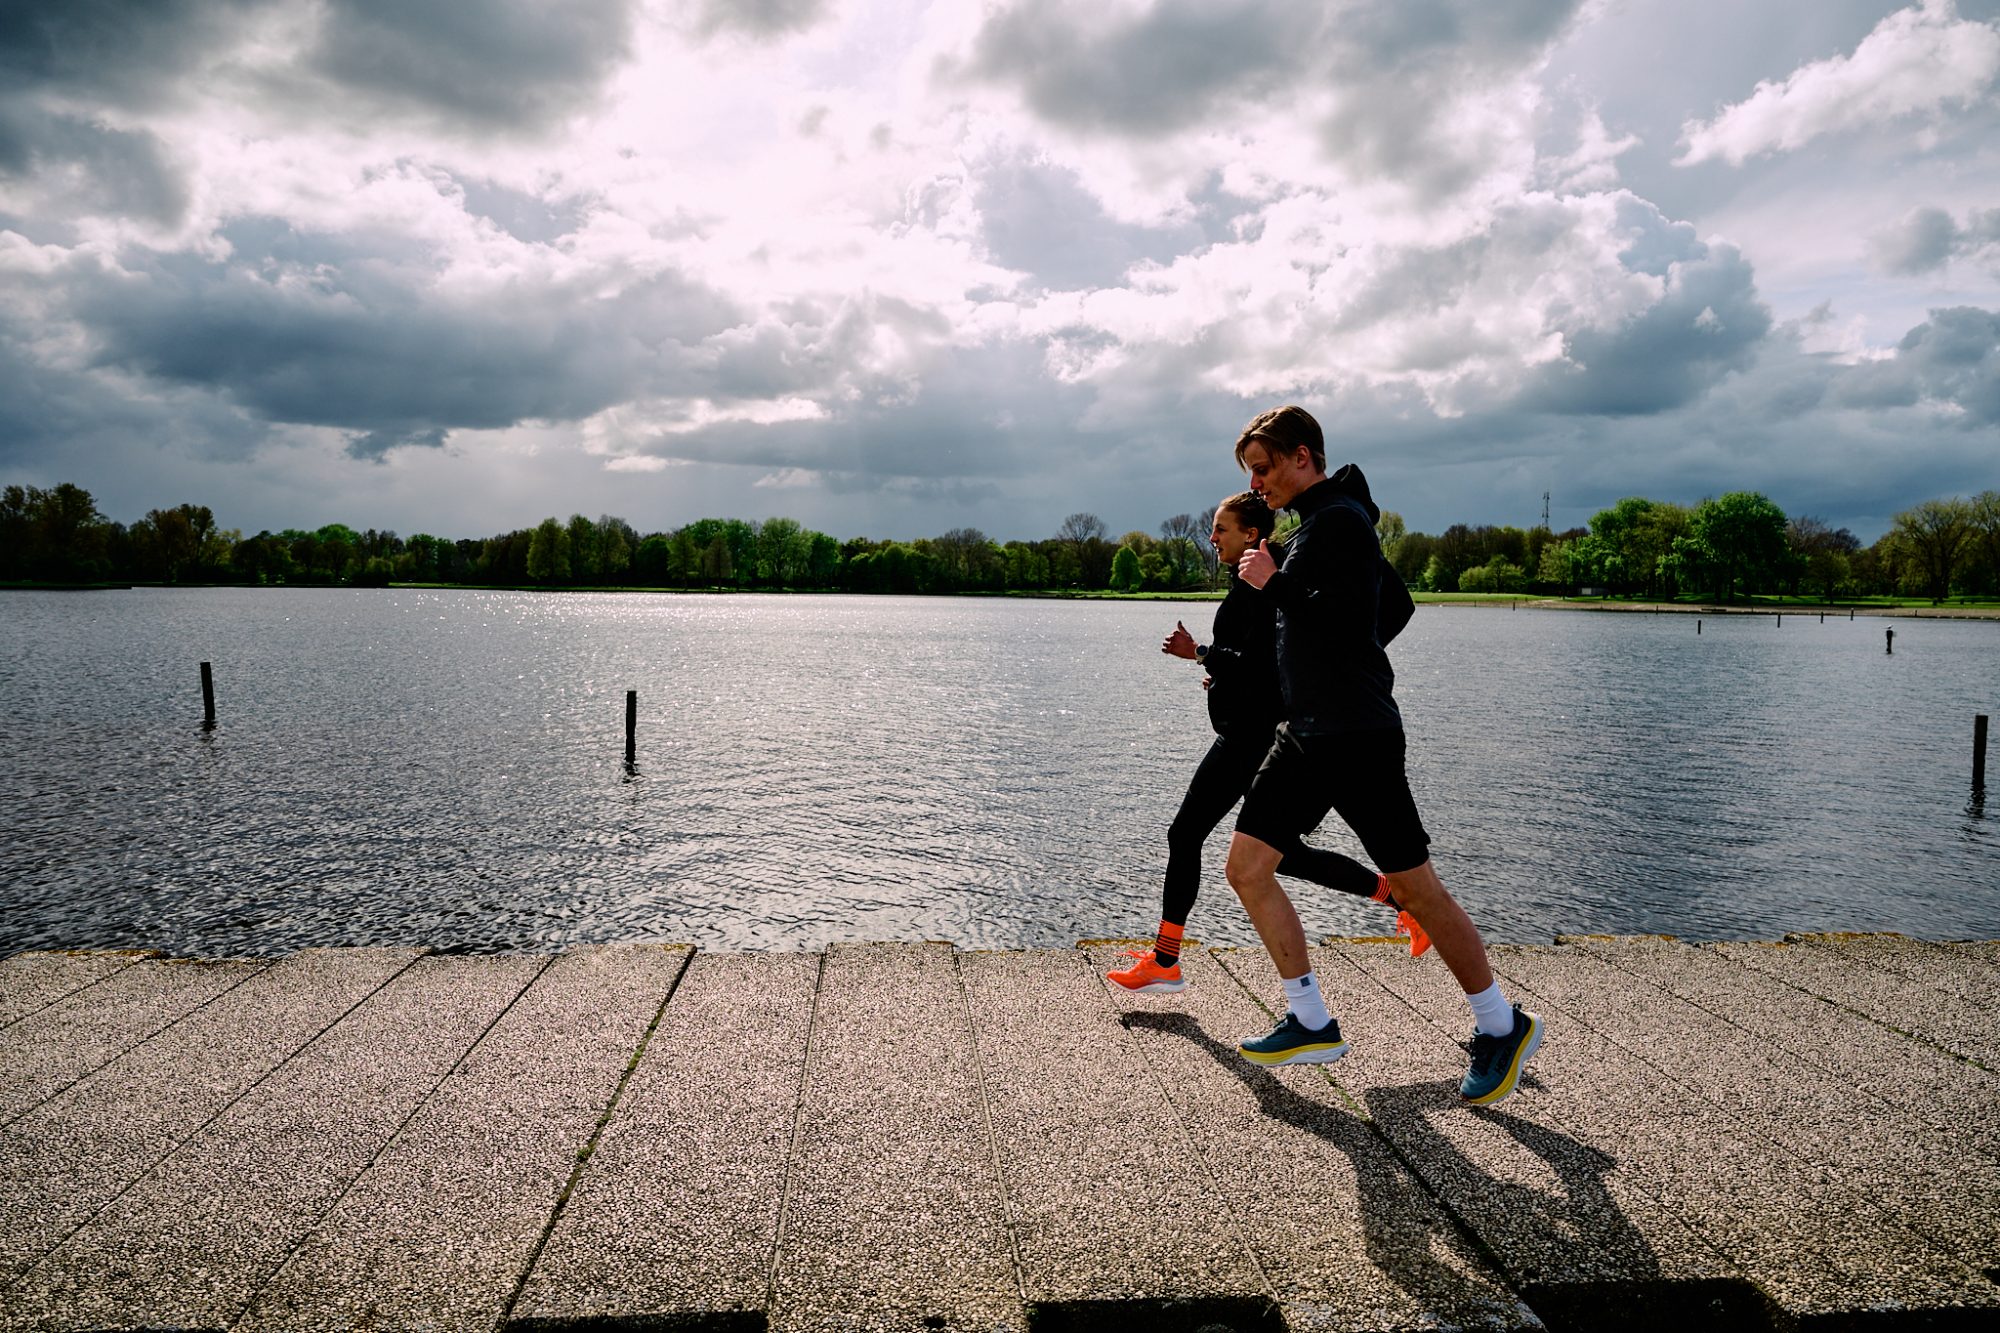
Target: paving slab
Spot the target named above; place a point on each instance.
(62, 1162)
(1956, 1024)
(1935, 965)
(1108, 1209)
(189, 1246)
(1346, 1236)
(1821, 1251)
(1554, 1182)
(674, 1221)
(893, 1217)
(1933, 1185)
(437, 1232)
(1929, 1087)
(36, 979)
(47, 1051)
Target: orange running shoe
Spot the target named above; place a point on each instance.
(1407, 925)
(1146, 976)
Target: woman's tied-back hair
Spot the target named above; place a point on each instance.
(1250, 511)
(1284, 430)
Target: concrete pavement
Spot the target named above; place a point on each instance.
(1799, 1135)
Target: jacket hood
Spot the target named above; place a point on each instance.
(1350, 483)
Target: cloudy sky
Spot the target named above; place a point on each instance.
(891, 267)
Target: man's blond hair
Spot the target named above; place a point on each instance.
(1284, 430)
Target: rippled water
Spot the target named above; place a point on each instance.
(446, 768)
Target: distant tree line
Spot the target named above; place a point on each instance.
(58, 536)
(1722, 548)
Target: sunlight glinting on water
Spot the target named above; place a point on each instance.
(446, 768)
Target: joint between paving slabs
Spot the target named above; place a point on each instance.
(202, 1128)
(583, 1154)
(798, 1127)
(1194, 1152)
(992, 1144)
(1917, 1037)
(1452, 1214)
(114, 1058)
(306, 1232)
(136, 956)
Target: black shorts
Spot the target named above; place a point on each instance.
(1359, 775)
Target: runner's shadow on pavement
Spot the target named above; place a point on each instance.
(1570, 1251)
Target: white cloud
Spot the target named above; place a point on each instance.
(1921, 60)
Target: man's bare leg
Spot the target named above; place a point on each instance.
(1253, 872)
(1423, 895)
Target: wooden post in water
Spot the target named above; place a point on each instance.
(207, 696)
(1697, 626)
(1890, 640)
(1979, 752)
(631, 726)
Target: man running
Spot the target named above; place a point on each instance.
(1341, 748)
(1244, 707)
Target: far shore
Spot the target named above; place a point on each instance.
(1911, 608)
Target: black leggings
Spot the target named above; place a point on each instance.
(1219, 783)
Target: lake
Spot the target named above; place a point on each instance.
(446, 768)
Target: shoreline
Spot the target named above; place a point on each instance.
(1489, 601)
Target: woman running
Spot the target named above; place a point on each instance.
(1244, 707)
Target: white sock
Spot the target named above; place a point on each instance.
(1303, 999)
(1492, 1013)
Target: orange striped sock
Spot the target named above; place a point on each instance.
(1167, 944)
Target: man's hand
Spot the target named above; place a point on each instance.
(1180, 643)
(1257, 566)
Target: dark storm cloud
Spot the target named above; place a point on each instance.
(483, 64)
(523, 216)
(966, 416)
(1041, 220)
(1161, 71)
(1707, 323)
(1954, 359)
(127, 52)
(1930, 238)
(1402, 67)
(763, 19)
(1399, 68)
(90, 168)
(368, 346)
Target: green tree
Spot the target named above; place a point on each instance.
(1936, 533)
(584, 563)
(1983, 564)
(1125, 571)
(1737, 541)
(616, 545)
(1391, 531)
(1437, 577)
(548, 552)
(1821, 554)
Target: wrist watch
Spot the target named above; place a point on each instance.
(1201, 654)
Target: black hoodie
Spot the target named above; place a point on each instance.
(1339, 604)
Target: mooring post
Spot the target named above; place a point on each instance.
(1781, 620)
(1979, 752)
(631, 725)
(1697, 626)
(1890, 640)
(207, 696)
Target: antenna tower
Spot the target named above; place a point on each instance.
(1545, 509)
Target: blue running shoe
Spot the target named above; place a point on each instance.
(1293, 1043)
(1497, 1061)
